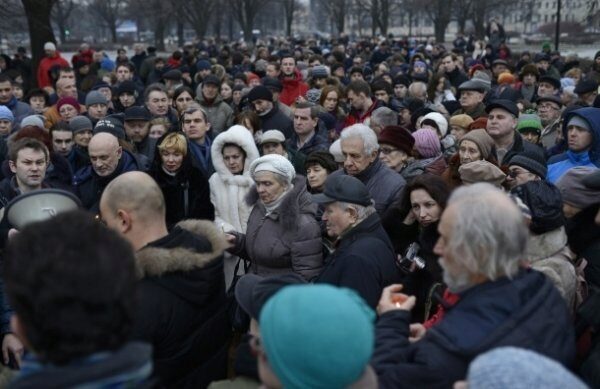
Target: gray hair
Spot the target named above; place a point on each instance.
(491, 241)
(366, 134)
(361, 211)
(383, 116)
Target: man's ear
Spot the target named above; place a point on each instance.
(125, 221)
(12, 166)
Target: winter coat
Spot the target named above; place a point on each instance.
(355, 117)
(318, 142)
(89, 185)
(292, 88)
(187, 193)
(384, 184)
(477, 112)
(227, 192)
(275, 119)
(519, 145)
(219, 113)
(549, 254)
(363, 260)
(145, 148)
(19, 110)
(550, 134)
(584, 239)
(43, 71)
(435, 165)
(129, 366)
(182, 306)
(559, 164)
(456, 77)
(287, 240)
(530, 314)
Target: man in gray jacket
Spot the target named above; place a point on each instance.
(220, 114)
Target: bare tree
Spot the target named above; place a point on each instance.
(199, 14)
(439, 11)
(337, 11)
(109, 11)
(244, 11)
(462, 12)
(60, 15)
(289, 6)
(40, 30)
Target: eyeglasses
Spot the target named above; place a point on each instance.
(546, 107)
(387, 150)
(515, 173)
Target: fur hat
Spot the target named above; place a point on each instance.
(398, 137)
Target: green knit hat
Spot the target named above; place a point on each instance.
(529, 122)
(317, 336)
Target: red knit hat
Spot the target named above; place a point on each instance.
(68, 100)
(398, 137)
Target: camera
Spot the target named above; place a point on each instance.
(411, 261)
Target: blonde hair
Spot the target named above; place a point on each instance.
(174, 141)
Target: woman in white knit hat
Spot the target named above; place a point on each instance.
(282, 234)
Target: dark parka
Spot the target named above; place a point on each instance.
(287, 240)
(182, 305)
(527, 312)
(275, 119)
(363, 260)
(187, 193)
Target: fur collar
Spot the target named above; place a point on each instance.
(155, 261)
(546, 245)
(295, 202)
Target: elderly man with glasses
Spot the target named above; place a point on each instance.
(549, 109)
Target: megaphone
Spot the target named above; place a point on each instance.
(39, 205)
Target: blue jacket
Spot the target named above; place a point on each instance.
(526, 312)
(559, 164)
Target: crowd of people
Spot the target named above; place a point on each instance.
(304, 214)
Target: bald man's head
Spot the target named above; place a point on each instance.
(105, 153)
(136, 193)
(66, 87)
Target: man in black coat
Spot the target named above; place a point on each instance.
(363, 258)
(500, 303)
(271, 118)
(182, 308)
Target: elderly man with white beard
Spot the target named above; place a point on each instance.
(500, 302)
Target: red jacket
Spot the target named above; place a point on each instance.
(292, 88)
(43, 71)
(85, 56)
(355, 117)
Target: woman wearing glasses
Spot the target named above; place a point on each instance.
(395, 148)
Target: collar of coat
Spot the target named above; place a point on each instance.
(157, 261)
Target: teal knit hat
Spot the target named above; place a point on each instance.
(317, 336)
(529, 122)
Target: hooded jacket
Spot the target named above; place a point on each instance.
(89, 185)
(182, 308)
(292, 88)
(219, 113)
(287, 240)
(529, 314)
(228, 191)
(187, 193)
(43, 71)
(559, 164)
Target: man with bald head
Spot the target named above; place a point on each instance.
(107, 161)
(65, 87)
(181, 308)
(480, 254)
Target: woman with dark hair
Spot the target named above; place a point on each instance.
(330, 101)
(439, 89)
(420, 209)
(251, 121)
(182, 98)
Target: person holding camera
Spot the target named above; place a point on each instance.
(419, 209)
(364, 258)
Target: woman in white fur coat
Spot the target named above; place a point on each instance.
(232, 152)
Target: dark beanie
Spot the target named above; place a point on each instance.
(398, 137)
(323, 158)
(260, 92)
(545, 204)
(532, 162)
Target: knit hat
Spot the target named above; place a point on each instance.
(555, 82)
(511, 367)
(33, 120)
(506, 78)
(532, 162)
(440, 122)
(529, 122)
(427, 143)
(260, 92)
(545, 205)
(272, 136)
(319, 71)
(419, 64)
(479, 123)
(482, 139)
(272, 83)
(112, 125)
(573, 190)
(211, 79)
(137, 113)
(313, 95)
(126, 86)
(203, 64)
(80, 123)
(252, 76)
(95, 97)
(481, 171)
(398, 137)
(317, 336)
(68, 100)
(49, 46)
(579, 121)
(323, 158)
(6, 114)
(462, 121)
(275, 164)
(173, 75)
(336, 150)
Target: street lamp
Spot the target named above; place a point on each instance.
(557, 33)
